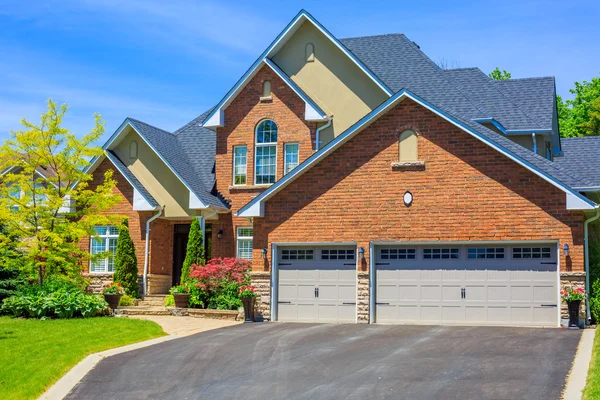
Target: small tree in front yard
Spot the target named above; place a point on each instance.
(194, 253)
(126, 269)
(45, 198)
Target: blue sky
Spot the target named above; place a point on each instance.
(165, 62)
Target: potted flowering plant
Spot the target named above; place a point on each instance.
(112, 294)
(181, 294)
(573, 297)
(248, 296)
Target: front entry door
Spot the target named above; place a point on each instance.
(180, 239)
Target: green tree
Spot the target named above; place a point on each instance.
(45, 197)
(126, 269)
(500, 75)
(581, 115)
(194, 253)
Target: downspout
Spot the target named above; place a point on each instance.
(586, 246)
(535, 149)
(147, 249)
(318, 133)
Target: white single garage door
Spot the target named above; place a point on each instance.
(474, 284)
(317, 284)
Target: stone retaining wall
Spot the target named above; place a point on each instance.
(575, 280)
(262, 284)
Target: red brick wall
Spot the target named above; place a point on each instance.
(286, 109)
(467, 191)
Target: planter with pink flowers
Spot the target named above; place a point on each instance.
(573, 297)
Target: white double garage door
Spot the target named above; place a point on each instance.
(487, 284)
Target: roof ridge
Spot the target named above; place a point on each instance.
(373, 36)
(462, 69)
(151, 126)
(193, 121)
(528, 79)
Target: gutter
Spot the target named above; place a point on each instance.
(147, 249)
(318, 132)
(586, 246)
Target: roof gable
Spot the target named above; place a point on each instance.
(536, 164)
(215, 118)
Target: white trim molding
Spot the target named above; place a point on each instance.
(255, 208)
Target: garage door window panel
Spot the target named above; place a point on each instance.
(441, 254)
(298, 254)
(398, 254)
(478, 253)
(335, 254)
(532, 252)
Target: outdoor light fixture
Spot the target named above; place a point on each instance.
(566, 250)
(220, 233)
(408, 198)
(361, 253)
(263, 253)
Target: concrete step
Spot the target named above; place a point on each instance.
(142, 310)
(151, 303)
(193, 312)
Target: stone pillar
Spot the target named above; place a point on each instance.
(362, 307)
(159, 284)
(575, 280)
(261, 280)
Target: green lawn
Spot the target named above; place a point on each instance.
(592, 387)
(34, 354)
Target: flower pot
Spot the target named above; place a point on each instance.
(112, 300)
(248, 303)
(574, 314)
(181, 300)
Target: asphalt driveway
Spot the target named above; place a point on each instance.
(306, 361)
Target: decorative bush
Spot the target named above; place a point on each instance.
(180, 289)
(10, 280)
(194, 253)
(126, 269)
(126, 301)
(594, 295)
(169, 301)
(219, 282)
(53, 299)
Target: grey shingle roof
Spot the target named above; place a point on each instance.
(581, 157)
(535, 95)
(179, 158)
(112, 156)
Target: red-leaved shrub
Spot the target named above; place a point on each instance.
(221, 271)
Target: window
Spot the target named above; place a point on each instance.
(291, 157)
(408, 149)
(398, 254)
(266, 153)
(244, 243)
(440, 254)
(336, 254)
(532, 252)
(266, 92)
(105, 243)
(297, 254)
(39, 196)
(485, 252)
(239, 165)
(133, 150)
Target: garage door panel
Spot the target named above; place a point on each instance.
(287, 292)
(496, 288)
(305, 292)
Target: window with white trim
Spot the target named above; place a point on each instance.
(441, 254)
(104, 242)
(240, 156)
(244, 242)
(337, 254)
(290, 156)
(474, 253)
(266, 153)
(398, 254)
(297, 254)
(531, 252)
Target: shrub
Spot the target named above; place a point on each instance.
(194, 253)
(594, 295)
(10, 280)
(126, 301)
(169, 301)
(126, 269)
(219, 282)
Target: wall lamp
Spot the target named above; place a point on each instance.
(263, 253)
(566, 250)
(361, 253)
(220, 233)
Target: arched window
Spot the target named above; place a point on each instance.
(310, 52)
(266, 92)
(133, 150)
(265, 153)
(408, 146)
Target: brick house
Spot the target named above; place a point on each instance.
(366, 184)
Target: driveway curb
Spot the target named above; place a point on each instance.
(64, 385)
(578, 375)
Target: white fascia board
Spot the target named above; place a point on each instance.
(140, 203)
(250, 209)
(195, 202)
(577, 203)
(273, 48)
